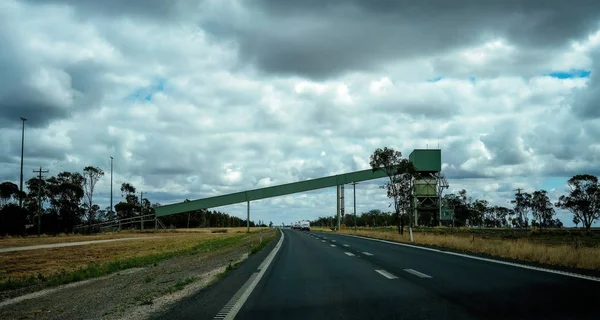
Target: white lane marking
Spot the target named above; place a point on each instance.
(246, 293)
(322, 240)
(367, 254)
(386, 274)
(349, 254)
(346, 245)
(417, 273)
(333, 240)
(333, 245)
(562, 273)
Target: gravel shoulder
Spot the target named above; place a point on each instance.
(130, 294)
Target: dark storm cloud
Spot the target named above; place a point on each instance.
(585, 102)
(321, 39)
(17, 98)
(150, 8)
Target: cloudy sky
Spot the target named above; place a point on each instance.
(201, 98)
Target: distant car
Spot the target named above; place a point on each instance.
(305, 226)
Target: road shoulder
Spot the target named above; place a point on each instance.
(206, 303)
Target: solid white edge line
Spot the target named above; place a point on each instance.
(349, 254)
(563, 273)
(417, 273)
(240, 303)
(386, 274)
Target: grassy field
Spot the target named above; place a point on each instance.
(9, 241)
(45, 262)
(569, 248)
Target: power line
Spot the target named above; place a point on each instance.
(39, 172)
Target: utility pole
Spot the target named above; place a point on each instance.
(111, 183)
(22, 148)
(142, 210)
(39, 197)
(354, 186)
(248, 218)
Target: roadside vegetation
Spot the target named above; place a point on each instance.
(51, 267)
(64, 203)
(567, 248)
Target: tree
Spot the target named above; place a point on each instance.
(541, 208)
(522, 204)
(65, 193)
(128, 208)
(8, 191)
(576, 221)
(583, 201)
(496, 216)
(12, 219)
(401, 174)
(91, 176)
(129, 191)
(477, 213)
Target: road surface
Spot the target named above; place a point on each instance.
(329, 276)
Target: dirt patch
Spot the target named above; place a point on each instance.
(131, 295)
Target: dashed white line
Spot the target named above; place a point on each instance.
(386, 274)
(367, 254)
(333, 240)
(563, 273)
(333, 245)
(349, 254)
(417, 273)
(346, 245)
(322, 240)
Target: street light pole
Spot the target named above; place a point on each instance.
(22, 148)
(111, 191)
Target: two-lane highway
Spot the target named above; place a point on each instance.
(330, 276)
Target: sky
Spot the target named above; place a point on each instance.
(202, 98)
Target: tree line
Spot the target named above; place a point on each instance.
(59, 203)
(582, 201)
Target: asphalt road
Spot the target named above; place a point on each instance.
(329, 276)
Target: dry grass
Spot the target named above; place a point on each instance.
(522, 249)
(48, 261)
(8, 241)
(211, 230)
(321, 229)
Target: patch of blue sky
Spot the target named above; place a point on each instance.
(571, 74)
(437, 79)
(557, 183)
(146, 93)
